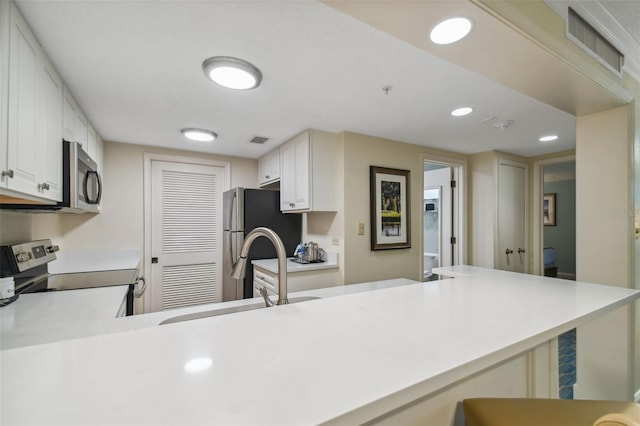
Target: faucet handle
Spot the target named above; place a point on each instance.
(263, 292)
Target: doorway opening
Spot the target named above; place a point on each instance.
(441, 214)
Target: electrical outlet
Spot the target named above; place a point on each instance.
(335, 241)
(360, 228)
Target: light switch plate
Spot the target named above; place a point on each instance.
(360, 228)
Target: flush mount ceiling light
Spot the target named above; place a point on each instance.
(450, 31)
(232, 73)
(199, 135)
(459, 112)
(548, 138)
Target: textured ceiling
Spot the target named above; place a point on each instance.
(627, 13)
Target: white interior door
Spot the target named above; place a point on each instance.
(511, 221)
(186, 234)
(441, 178)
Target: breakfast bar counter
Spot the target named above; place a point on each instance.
(338, 360)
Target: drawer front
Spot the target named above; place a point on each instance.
(261, 278)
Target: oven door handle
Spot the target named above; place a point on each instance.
(140, 292)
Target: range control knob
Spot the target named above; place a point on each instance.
(23, 257)
(53, 249)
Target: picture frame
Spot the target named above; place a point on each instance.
(390, 207)
(549, 209)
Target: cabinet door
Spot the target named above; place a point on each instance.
(302, 174)
(91, 142)
(82, 130)
(287, 176)
(22, 154)
(274, 165)
(511, 220)
(69, 116)
(49, 133)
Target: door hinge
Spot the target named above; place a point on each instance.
(453, 240)
(453, 183)
(154, 260)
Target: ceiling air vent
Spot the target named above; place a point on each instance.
(590, 40)
(259, 139)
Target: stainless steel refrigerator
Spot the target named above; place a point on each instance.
(243, 210)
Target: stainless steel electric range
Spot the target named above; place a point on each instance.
(27, 264)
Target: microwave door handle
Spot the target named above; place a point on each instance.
(85, 187)
(99, 183)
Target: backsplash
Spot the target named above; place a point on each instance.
(14, 227)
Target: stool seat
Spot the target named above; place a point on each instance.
(545, 412)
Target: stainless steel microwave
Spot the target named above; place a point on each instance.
(81, 185)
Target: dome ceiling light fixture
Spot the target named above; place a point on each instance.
(199, 135)
(548, 138)
(450, 30)
(460, 112)
(232, 73)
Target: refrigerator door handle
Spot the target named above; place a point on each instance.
(232, 255)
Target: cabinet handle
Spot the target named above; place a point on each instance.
(8, 173)
(520, 250)
(267, 177)
(508, 251)
(292, 205)
(44, 186)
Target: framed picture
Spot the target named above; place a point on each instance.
(549, 210)
(390, 207)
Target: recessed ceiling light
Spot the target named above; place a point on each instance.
(548, 138)
(450, 31)
(199, 135)
(231, 72)
(461, 111)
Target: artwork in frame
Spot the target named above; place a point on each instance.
(549, 210)
(390, 207)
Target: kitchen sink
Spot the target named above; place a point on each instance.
(230, 310)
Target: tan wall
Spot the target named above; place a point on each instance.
(360, 152)
(120, 225)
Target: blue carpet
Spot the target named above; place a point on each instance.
(567, 361)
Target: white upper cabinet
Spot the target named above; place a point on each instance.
(307, 172)
(92, 143)
(34, 115)
(75, 125)
(269, 168)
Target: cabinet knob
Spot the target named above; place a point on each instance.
(7, 173)
(267, 177)
(44, 186)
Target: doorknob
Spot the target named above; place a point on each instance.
(520, 250)
(508, 251)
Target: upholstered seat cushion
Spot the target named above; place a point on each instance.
(542, 412)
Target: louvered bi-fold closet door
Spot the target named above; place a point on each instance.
(186, 235)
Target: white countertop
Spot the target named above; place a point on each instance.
(52, 316)
(94, 260)
(347, 358)
(271, 265)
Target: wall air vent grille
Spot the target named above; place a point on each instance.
(585, 35)
(259, 139)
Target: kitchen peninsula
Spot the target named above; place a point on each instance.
(409, 351)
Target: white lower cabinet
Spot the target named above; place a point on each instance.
(34, 117)
(307, 172)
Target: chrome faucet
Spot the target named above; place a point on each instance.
(239, 269)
